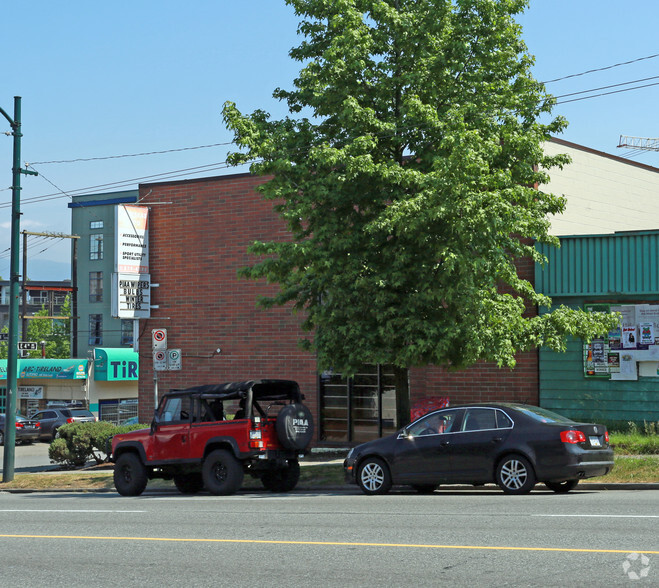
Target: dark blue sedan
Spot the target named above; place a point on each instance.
(512, 445)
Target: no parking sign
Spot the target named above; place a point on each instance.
(159, 339)
(160, 360)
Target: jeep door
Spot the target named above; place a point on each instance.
(171, 439)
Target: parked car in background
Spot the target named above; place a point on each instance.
(82, 415)
(512, 445)
(52, 419)
(131, 421)
(27, 430)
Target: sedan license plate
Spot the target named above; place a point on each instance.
(595, 441)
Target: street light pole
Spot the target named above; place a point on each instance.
(14, 295)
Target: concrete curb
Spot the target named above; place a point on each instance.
(348, 488)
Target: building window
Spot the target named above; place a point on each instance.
(95, 329)
(95, 286)
(97, 224)
(360, 408)
(126, 331)
(96, 246)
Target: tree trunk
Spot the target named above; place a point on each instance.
(402, 396)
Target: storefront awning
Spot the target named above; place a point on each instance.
(51, 369)
(116, 365)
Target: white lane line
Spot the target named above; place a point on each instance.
(69, 510)
(600, 516)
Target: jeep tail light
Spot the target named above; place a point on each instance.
(256, 444)
(573, 437)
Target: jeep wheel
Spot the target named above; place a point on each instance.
(222, 473)
(282, 479)
(295, 426)
(130, 477)
(189, 483)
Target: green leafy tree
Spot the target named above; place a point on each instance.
(55, 332)
(407, 174)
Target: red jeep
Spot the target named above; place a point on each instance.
(210, 436)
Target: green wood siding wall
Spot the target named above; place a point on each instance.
(564, 389)
(616, 269)
(601, 266)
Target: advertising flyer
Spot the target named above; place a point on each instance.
(629, 351)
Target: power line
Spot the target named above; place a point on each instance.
(131, 154)
(607, 93)
(583, 73)
(607, 87)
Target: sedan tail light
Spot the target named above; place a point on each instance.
(70, 420)
(606, 436)
(573, 437)
(19, 425)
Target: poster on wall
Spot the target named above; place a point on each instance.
(628, 351)
(629, 337)
(646, 333)
(649, 314)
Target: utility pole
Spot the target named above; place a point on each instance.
(14, 294)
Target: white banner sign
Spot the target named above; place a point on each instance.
(131, 239)
(30, 392)
(131, 296)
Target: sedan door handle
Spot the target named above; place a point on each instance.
(444, 443)
(497, 439)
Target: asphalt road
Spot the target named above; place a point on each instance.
(343, 538)
(29, 458)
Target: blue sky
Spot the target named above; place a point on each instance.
(109, 79)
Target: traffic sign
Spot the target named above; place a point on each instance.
(160, 360)
(174, 359)
(159, 339)
(27, 346)
(4, 336)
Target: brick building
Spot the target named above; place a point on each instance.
(199, 231)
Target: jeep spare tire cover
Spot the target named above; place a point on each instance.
(295, 426)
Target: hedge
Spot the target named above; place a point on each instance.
(78, 443)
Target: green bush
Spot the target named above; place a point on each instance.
(78, 443)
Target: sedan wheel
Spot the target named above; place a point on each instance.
(373, 476)
(562, 487)
(515, 475)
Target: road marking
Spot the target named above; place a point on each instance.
(598, 516)
(330, 543)
(68, 510)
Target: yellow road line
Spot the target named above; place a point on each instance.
(331, 543)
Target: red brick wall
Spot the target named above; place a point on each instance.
(198, 234)
(484, 382)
